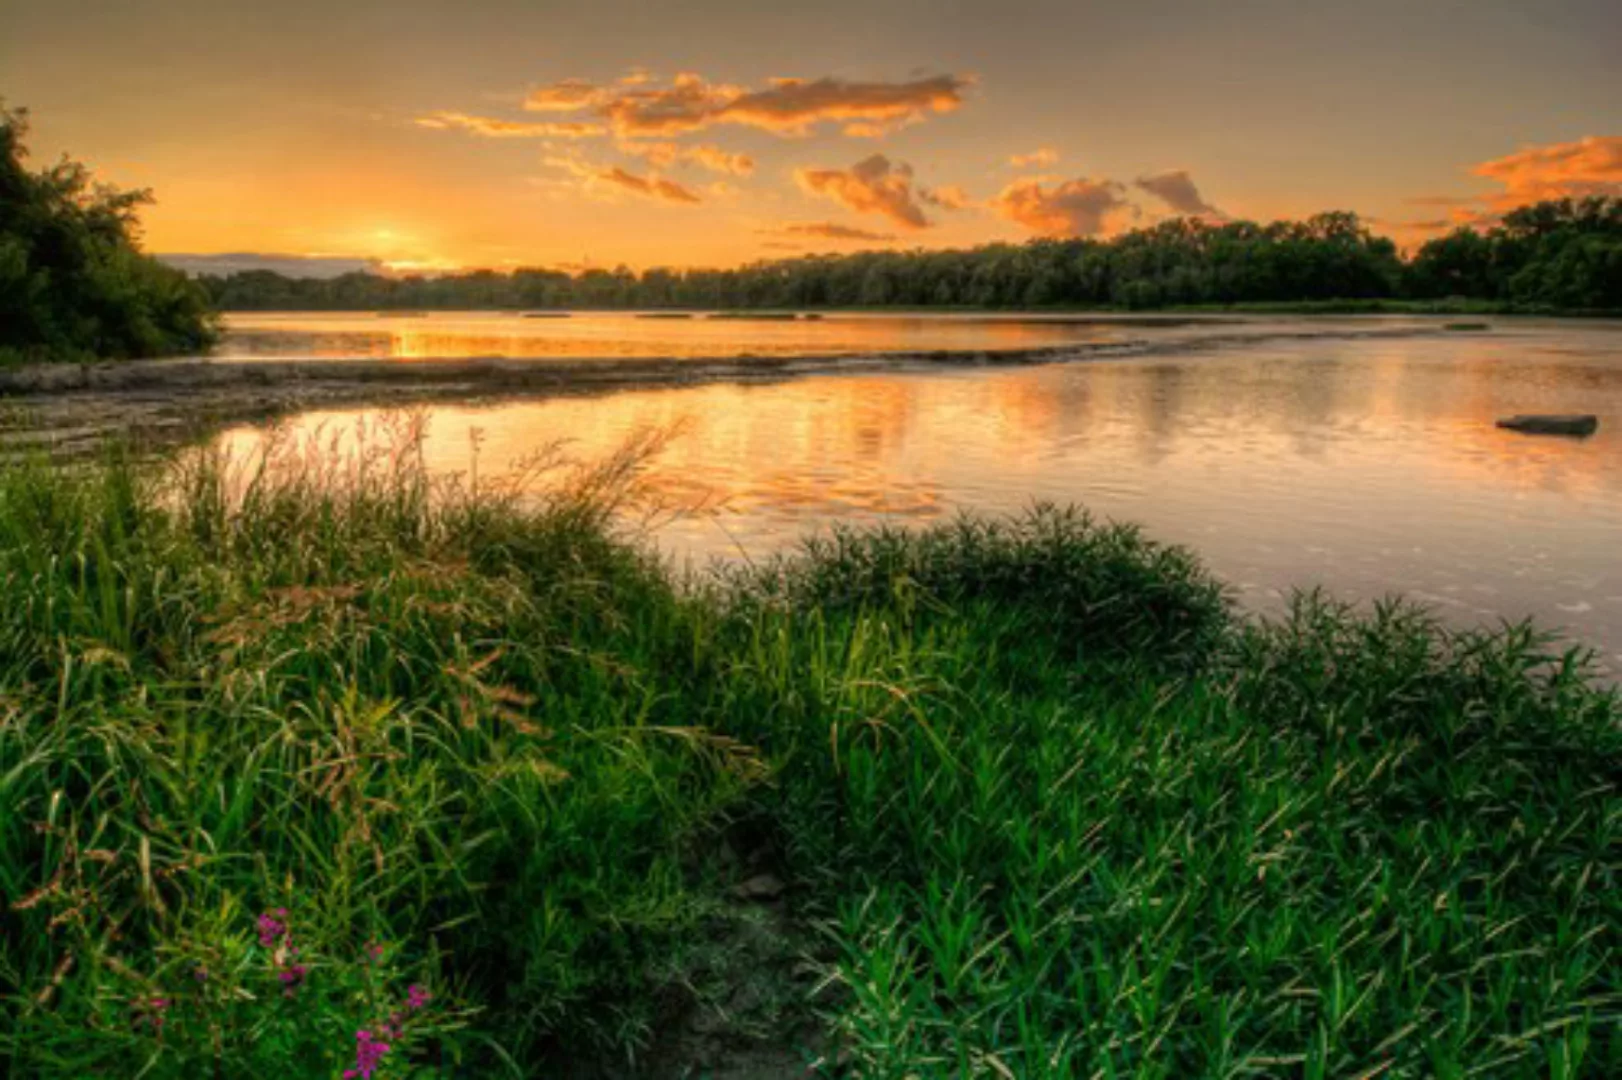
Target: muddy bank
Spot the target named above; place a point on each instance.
(69, 406)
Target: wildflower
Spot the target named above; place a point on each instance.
(154, 1011)
(416, 996)
(374, 951)
(272, 927)
(292, 978)
(369, 1054)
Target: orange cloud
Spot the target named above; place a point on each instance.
(665, 154)
(1570, 170)
(794, 105)
(652, 187)
(947, 197)
(871, 186)
(509, 129)
(1176, 189)
(832, 231)
(1081, 207)
(1587, 166)
(1042, 156)
(689, 104)
(787, 107)
(566, 95)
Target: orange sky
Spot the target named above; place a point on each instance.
(503, 133)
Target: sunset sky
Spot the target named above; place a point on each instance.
(498, 134)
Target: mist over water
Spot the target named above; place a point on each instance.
(1369, 465)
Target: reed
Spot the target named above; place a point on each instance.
(1050, 807)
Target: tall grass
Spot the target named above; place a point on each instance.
(1052, 807)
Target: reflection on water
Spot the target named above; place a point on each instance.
(1370, 466)
(627, 334)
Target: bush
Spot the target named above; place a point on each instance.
(73, 285)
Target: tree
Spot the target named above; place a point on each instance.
(73, 284)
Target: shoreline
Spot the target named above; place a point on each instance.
(72, 406)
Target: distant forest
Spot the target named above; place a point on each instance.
(1561, 255)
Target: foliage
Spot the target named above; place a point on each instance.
(1556, 256)
(72, 283)
(1560, 254)
(1059, 811)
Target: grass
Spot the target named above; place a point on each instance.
(1049, 807)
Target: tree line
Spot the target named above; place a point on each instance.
(1558, 255)
(73, 284)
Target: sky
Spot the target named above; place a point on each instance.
(426, 135)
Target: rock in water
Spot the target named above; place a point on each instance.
(1536, 424)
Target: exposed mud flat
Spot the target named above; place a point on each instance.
(73, 407)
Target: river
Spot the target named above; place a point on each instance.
(1356, 454)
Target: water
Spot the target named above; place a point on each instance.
(1371, 466)
(704, 335)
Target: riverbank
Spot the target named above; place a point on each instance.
(287, 751)
(72, 407)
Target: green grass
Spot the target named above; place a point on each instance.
(1049, 806)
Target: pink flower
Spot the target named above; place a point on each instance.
(369, 1053)
(292, 978)
(272, 929)
(416, 996)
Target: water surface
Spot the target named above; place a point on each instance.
(1371, 466)
(710, 335)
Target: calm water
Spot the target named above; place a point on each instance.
(1371, 466)
(633, 335)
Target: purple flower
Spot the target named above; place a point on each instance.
(272, 929)
(369, 1054)
(416, 996)
(292, 978)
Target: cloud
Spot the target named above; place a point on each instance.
(664, 154)
(1042, 156)
(689, 104)
(786, 107)
(829, 230)
(493, 128)
(1176, 189)
(1441, 200)
(947, 197)
(565, 95)
(298, 266)
(1081, 207)
(793, 105)
(1582, 167)
(871, 186)
(1586, 166)
(652, 187)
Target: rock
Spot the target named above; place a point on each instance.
(1538, 424)
(760, 887)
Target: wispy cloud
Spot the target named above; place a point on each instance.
(635, 107)
(653, 187)
(663, 154)
(829, 230)
(791, 106)
(493, 128)
(565, 95)
(1175, 188)
(1582, 167)
(1041, 157)
(947, 197)
(1586, 166)
(871, 186)
(1081, 207)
